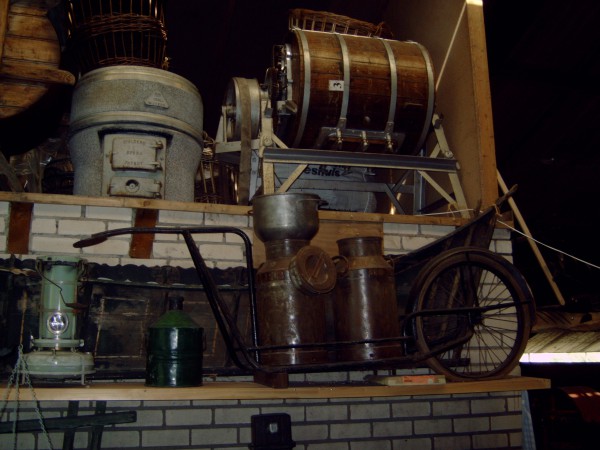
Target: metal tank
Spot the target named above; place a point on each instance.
(364, 308)
(135, 132)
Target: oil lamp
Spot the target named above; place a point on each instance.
(56, 352)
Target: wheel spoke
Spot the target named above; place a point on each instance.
(494, 321)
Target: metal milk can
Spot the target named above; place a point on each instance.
(294, 284)
(364, 306)
(293, 287)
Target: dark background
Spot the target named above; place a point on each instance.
(544, 74)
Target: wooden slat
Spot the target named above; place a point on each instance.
(167, 205)
(35, 72)
(15, 96)
(24, 23)
(32, 50)
(4, 8)
(19, 227)
(254, 391)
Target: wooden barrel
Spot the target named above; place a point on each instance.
(29, 56)
(362, 83)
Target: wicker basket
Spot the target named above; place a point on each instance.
(117, 32)
(306, 19)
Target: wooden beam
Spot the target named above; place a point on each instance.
(19, 227)
(141, 244)
(35, 72)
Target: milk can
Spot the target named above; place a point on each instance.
(293, 288)
(364, 306)
(175, 347)
(294, 284)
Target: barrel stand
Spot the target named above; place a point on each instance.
(257, 158)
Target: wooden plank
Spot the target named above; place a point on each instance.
(36, 72)
(483, 102)
(19, 95)
(4, 9)
(254, 391)
(19, 227)
(167, 205)
(44, 52)
(24, 23)
(141, 244)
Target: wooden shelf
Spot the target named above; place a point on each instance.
(167, 205)
(253, 391)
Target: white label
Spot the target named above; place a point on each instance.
(336, 85)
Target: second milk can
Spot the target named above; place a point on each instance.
(365, 309)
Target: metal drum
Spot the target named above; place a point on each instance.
(135, 132)
(353, 82)
(365, 306)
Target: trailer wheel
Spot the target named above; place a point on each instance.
(472, 312)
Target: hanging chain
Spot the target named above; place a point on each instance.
(21, 369)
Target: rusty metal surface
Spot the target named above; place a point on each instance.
(287, 315)
(365, 304)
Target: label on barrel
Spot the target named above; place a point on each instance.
(336, 85)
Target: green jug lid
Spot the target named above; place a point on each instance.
(175, 317)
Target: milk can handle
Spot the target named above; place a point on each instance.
(341, 264)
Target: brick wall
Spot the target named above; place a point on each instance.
(421, 422)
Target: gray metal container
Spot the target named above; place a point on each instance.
(136, 132)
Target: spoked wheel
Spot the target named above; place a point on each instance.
(473, 313)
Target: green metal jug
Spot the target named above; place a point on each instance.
(175, 349)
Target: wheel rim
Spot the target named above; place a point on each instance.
(482, 305)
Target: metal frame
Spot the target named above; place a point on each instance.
(267, 149)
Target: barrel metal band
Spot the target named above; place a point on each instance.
(393, 83)
(346, 68)
(430, 96)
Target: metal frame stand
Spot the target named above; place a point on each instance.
(258, 156)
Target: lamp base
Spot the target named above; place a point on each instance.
(59, 364)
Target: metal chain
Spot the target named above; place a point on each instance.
(22, 369)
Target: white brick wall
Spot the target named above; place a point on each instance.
(372, 423)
